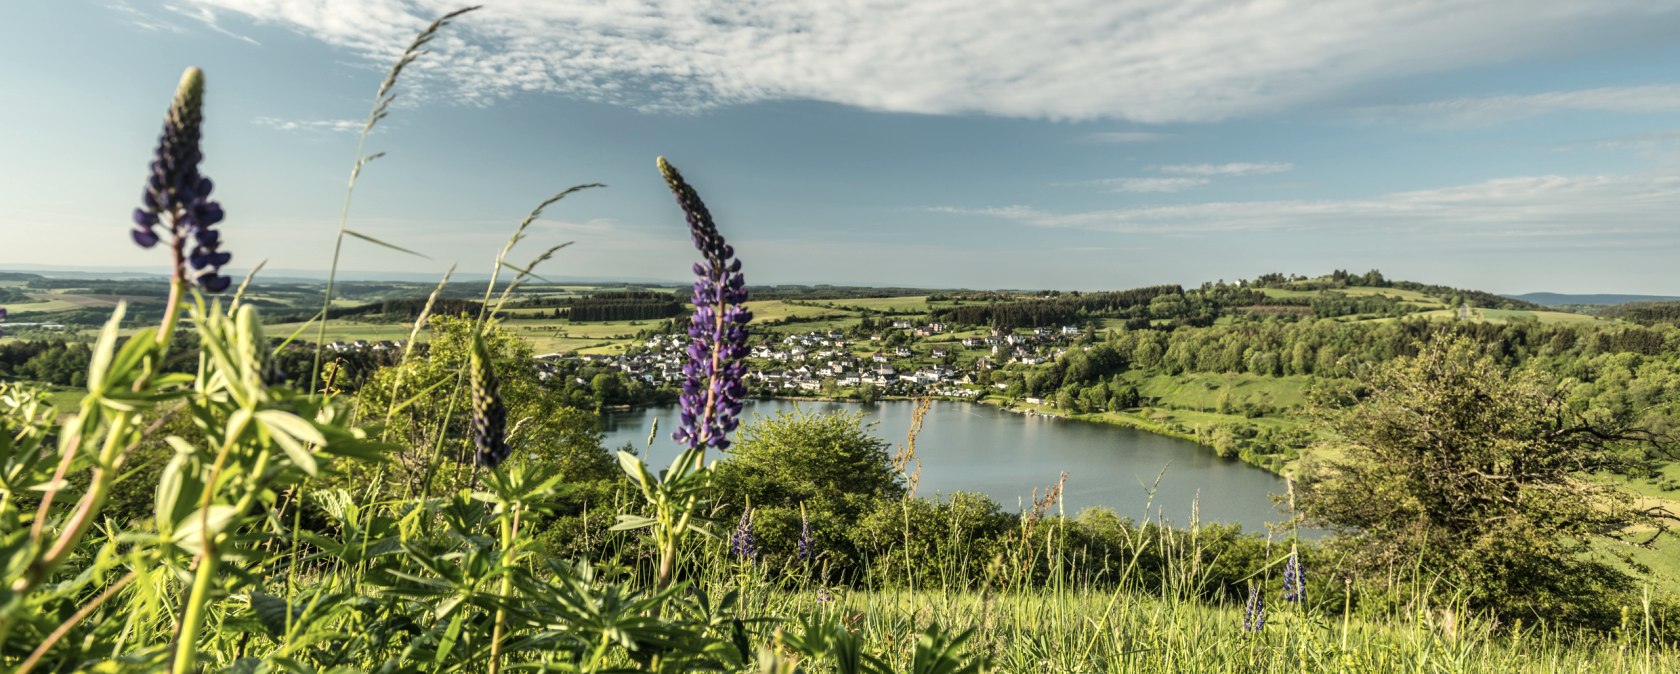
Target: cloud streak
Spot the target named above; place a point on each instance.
(1152, 184)
(309, 125)
(1127, 136)
(1534, 208)
(1149, 61)
(1482, 111)
(1233, 169)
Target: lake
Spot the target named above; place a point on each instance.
(975, 447)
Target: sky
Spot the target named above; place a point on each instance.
(1509, 146)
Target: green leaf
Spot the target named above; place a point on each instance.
(637, 470)
(293, 425)
(298, 332)
(632, 523)
(447, 644)
(274, 613)
(189, 532)
(525, 272)
(139, 345)
(50, 485)
(296, 451)
(394, 247)
(169, 486)
(104, 348)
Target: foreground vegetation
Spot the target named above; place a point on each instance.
(217, 499)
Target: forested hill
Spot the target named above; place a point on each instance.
(1565, 299)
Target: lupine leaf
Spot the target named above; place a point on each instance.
(274, 613)
(103, 350)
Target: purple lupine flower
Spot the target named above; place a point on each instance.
(178, 194)
(807, 550)
(742, 542)
(489, 416)
(1294, 583)
(2, 321)
(823, 596)
(712, 389)
(1254, 612)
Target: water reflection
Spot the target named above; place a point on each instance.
(974, 447)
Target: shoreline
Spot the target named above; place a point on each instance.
(1118, 419)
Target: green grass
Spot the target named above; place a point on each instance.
(1508, 315)
(345, 331)
(1082, 630)
(915, 304)
(772, 310)
(41, 306)
(1202, 390)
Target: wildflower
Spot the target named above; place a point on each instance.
(2, 321)
(823, 596)
(489, 416)
(806, 549)
(742, 542)
(1294, 584)
(176, 192)
(1254, 612)
(712, 389)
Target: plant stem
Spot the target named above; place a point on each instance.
(503, 594)
(71, 622)
(186, 652)
(192, 616)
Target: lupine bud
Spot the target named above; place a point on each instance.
(742, 542)
(1254, 612)
(489, 417)
(177, 196)
(713, 388)
(807, 549)
(1294, 583)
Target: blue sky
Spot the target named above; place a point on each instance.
(1082, 144)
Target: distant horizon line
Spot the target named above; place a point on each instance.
(320, 276)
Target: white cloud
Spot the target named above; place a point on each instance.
(1152, 184)
(1655, 140)
(331, 125)
(1143, 60)
(144, 20)
(1186, 176)
(1127, 136)
(1587, 210)
(1232, 169)
(1475, 111)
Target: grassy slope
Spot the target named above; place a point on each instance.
(1093, 631)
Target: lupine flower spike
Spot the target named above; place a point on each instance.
(1254, 612)
(178, 196)
(489, 416)
(807, 550)
(742, 542)
(712, 388)
(1294, 583)
(2, 321)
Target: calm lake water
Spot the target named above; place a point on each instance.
(974, 447)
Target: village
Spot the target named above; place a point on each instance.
(909, 359)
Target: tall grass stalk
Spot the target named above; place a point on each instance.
(382, 100)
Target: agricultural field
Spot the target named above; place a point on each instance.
(343, 331)
(913, 305)
(1203, 391)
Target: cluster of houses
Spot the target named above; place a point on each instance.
(366, 345)
(800, 362)
(805, 362)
